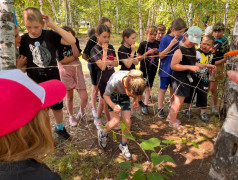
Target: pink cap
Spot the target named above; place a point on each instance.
(21, 98)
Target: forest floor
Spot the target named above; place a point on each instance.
(82, 158)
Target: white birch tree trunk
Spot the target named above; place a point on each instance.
(148, 20)
(224, 165)
(70, 15)
(117, 17)
(226, 12)
(99, 9)
(191, 14)
(7, 35)
(185, 11)
(66, 12)
(53, 9)
(41, 5)
(140, 22)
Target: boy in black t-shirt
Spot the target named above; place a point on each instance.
(149, 63)
(39, 46)
(160, 33)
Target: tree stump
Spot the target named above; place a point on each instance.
(224, 165)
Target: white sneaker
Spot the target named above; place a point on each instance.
(94, 112)
(125, 151)
(72, 121)
(79, 115)
(102, 139)
(118, 127)
(98, 123)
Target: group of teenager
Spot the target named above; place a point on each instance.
(48, 56)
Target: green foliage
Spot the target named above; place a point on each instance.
(150, 144)
(128, 168)
(153, 12)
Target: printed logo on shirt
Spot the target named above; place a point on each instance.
(152, 59)
(111, 58)
(40, 53)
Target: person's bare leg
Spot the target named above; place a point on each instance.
(105, 108)
(69, 102)
(58, 115)
(112, 123)
(178, 101)
(147, 95)
(126, 118)
(94, 96)
(161, 95)
(100, 107)
(171, 92)
(213, 89)
(83, 99)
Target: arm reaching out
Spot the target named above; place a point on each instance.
(67, 38)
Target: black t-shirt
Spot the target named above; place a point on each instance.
(97, 53)
(158, 42)
(125, 53)
(90, 44)
(27, 169)
(66, 51)
(150, 61)
(221, 46)
(41, 52)
(188, 58)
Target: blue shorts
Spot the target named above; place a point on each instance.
(165, 82)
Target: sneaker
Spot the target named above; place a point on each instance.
(94, 112)
(145, 109)
(160, 113)
(188, 113)
(176, 125)
(118, 127)
(125, 151)
(72, 121)
(214, 110)
(102, 139)
(141, 104)
(150, 100)
(204, 117)
(83, 117)
(136, 115)
(169, 106)
(62, 133)
(79, 115)
(97, 122)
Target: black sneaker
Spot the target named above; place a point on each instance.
(145, 109)
(204, 117)
(188, 113)
(62, 133)
(160, 113)
(141, 104)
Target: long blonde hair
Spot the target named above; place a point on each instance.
(33, 140)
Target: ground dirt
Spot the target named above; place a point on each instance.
(82, 158)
